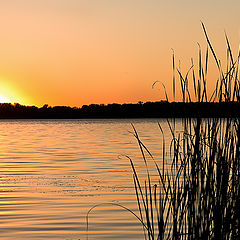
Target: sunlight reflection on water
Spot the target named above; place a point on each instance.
(53, 171)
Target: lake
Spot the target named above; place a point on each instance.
(54, 171)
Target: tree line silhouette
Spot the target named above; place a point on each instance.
(161, 109)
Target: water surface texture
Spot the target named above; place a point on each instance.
(53, 171)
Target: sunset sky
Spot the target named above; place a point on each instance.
(75, 52)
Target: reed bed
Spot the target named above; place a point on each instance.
(197, 196)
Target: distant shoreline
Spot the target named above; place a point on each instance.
(160, 109)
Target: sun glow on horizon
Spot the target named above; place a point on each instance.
(4, 99)
(9, 93)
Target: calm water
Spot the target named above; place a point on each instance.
(53, 171)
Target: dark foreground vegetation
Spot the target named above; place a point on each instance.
(195, 191)
(161, 109)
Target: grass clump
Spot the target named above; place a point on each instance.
(197, 195)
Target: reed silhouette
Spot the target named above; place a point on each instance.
(197, 196)
(197, 191)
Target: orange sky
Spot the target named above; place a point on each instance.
(75, 52)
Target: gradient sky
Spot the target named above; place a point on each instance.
(75, 52)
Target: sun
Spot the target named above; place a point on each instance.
(4, 99)
(10, 94)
